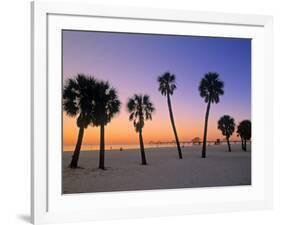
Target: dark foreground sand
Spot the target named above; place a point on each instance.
(164, 169)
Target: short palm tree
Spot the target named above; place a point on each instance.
(140, 109)
(78, 102)
(167, 86)
(210, 88)
(227, 126)
(244, 131)
(105, 108)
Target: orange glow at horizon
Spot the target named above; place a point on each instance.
(121, 131)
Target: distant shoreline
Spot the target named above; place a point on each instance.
(88, 148)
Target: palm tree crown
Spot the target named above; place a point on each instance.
(78, 98)
(106, 104)
(227, 125)
(211, 87)
(245, 132)
(244, 129)
(167, 83)
(140, 108)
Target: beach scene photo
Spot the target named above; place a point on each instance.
(154, 111)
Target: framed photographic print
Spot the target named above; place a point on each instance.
(149, 112)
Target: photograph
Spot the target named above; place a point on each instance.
(145, 111)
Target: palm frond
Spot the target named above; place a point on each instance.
(78, 98)
(211, 87)
(140, 108)
(227, 125)
(167, 83)
(107, 104)
(244, 129)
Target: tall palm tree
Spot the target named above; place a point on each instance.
(167, 86)
(78, 102)
(140, 109)
(106, 106)
(245, 132)
(210, 88)
(227, 126)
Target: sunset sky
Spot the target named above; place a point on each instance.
(132, 63)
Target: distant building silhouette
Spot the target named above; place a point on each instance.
(196, 140)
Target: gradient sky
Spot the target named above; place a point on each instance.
(132, 63)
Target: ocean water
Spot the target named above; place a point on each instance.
(119, 147)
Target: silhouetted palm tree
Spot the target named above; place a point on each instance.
(140, 109)
(244, 131)
(106, 106)
(210, 88)
(227, 126)
(166, 87)
(78, 101)
(239, 130)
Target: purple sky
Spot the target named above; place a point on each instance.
(132, 62)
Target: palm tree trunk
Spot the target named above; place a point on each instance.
(205, 130)
(173, 125)
(245, 145)
(143, 158)
(102, 151)
(75, 157)
(229, 149)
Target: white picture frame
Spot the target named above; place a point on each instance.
(49, 205)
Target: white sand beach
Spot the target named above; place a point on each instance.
(164, 169)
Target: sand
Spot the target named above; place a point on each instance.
(164, 169)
